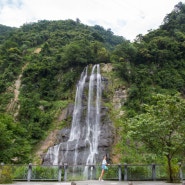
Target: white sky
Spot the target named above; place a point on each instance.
(126, 18)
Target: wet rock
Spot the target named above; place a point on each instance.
(76, 151)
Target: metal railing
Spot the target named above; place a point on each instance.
(120, 172)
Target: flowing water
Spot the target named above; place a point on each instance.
(93, 115)
(85, 123)
(75, 133)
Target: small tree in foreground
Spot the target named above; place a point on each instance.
(162, 127)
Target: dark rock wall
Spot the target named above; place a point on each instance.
(105, 140)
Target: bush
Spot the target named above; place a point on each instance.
(139, 172)
(43, 172)
(5, 175)
(20, 172)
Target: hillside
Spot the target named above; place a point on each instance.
(40, 64)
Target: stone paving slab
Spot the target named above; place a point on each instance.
(96, 182)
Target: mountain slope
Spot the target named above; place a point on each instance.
(40, 64)
(56, 52)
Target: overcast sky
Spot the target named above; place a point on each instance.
(126, 18)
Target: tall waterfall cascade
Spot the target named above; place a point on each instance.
(88, 139)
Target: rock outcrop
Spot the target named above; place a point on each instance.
(81, 147)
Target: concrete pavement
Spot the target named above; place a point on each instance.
(96, 182)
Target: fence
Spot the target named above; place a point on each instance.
(120, 172)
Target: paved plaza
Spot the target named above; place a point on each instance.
(96, 182)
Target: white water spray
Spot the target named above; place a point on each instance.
(77, 113)
(93, 116)
(76, 130)
(85, 123)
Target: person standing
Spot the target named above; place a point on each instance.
(104, 167)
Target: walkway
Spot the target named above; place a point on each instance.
(95, 182)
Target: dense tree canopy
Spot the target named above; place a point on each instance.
(161, 127)
(14, 146)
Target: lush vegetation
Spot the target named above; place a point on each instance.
(50, 56)
(153, 118)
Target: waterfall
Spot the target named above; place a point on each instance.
(82, 145)
(76, 131)
(77, 113)
(93, 114)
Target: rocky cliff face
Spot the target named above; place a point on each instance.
(66, 148)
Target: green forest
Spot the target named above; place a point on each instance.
(49, 56)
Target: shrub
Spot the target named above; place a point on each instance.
(5, 175)
(20, 172)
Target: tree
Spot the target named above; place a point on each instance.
(14, 145)
(77, 53)
(161, 127)
(126, 51)
(175, 19)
